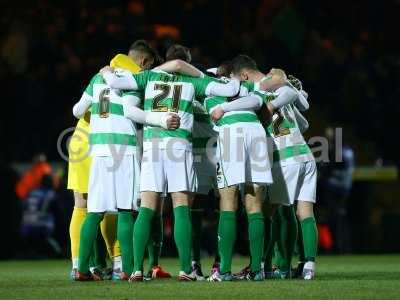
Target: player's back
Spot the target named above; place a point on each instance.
(167, 164)
(108, 126)
(288, 141)
(169, 93)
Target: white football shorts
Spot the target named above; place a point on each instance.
(242, 154)
(294, 182)
(168, 171)
(113, 183)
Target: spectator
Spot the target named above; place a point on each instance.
(336, 183)
(32, 178)
(39, 218)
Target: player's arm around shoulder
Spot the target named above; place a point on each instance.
(123, 79)
(131, 101)
(209, 86)
(248, 103)
(283, 95)
(180, 67)
(302, 101)
(246, 87)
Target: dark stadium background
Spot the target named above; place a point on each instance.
(345, 52)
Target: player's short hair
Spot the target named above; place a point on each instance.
(225, 69)
(158, 60)
(241, 62)
(280, 72)
(144, 47)
(177, 51)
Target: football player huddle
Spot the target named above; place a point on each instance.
(231, 130)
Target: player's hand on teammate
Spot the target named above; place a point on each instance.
(87, 116)
(217, 113)
(295, 82)
(173, 121)
(106, 69)
(265, 114)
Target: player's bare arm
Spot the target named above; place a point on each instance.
(181, 67)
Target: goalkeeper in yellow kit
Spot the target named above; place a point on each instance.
(141, 56)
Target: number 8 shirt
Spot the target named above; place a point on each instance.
(294, 170)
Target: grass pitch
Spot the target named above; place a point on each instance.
(339, 277)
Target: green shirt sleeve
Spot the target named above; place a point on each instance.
(266, 97)
(141, 79)
(211, 102)
(248, 85)
(95, 79)
(200, 85)
(138, 93)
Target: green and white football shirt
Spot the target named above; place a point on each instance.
(288, 142)
(110, 131)
(233, 117)
(163, 93)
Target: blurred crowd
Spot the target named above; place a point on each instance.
(345, 54)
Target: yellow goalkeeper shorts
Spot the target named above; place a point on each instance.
(79, 159)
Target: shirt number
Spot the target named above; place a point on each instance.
(104, 103)
(277, 126)
(159, 106)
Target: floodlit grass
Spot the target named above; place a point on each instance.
(339, 277)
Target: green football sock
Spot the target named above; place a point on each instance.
(156, 240)
(93, 263)
(217, 258)
(271, 235)
(256, 237)
(288, 236)
(89, 231)
(183, 236)
(125, 238)
(310, 238)
(277, 233)
(98, 255)
(300, 244)
(226, 239)
(197, 218)
(100, 250)
(277, 257)
(141, 234)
